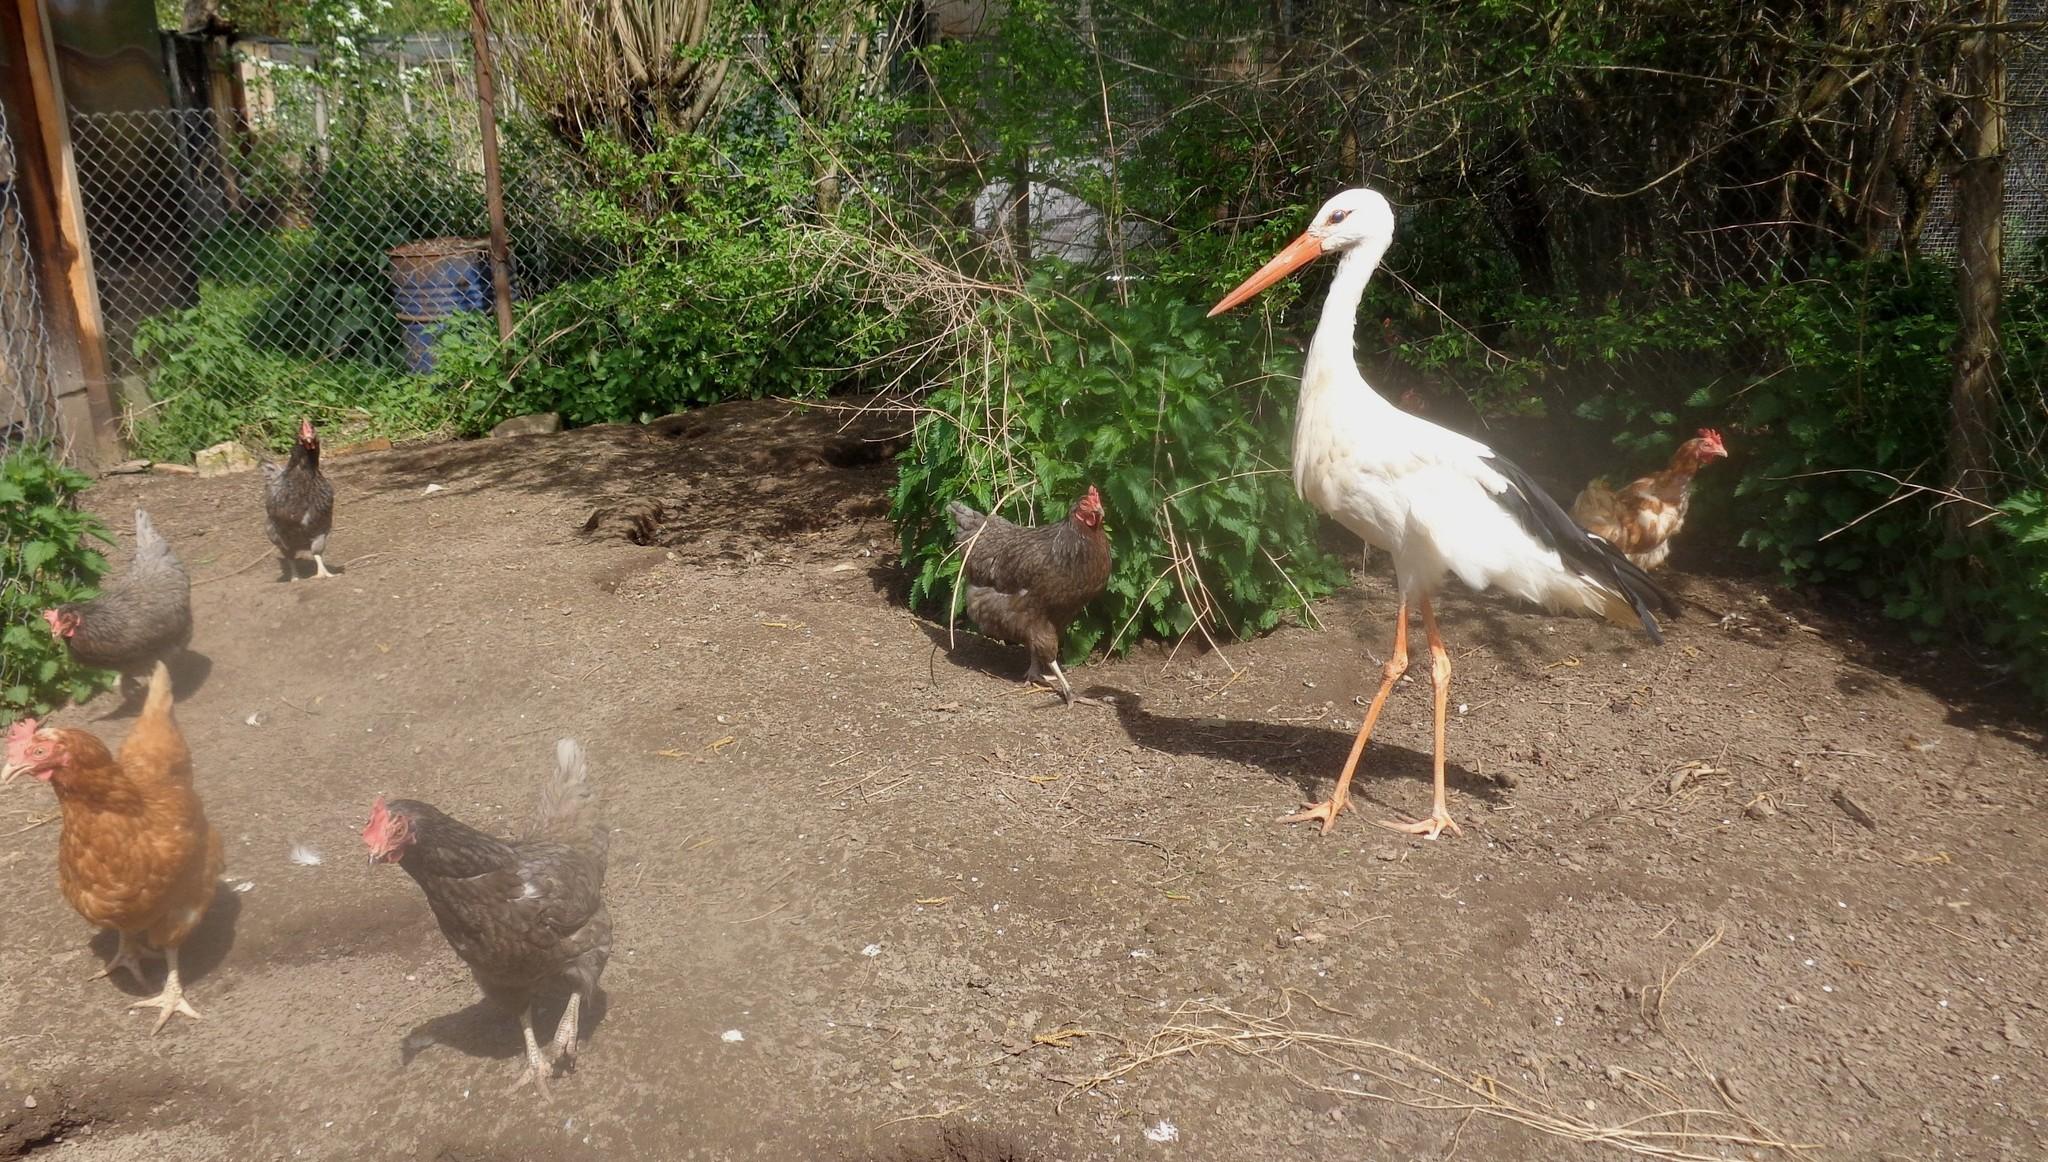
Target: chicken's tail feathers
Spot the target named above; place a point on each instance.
(966, 521)
(158, 702)
(149, 542)
(569, 805)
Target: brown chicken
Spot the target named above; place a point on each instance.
(136, 854)
(1641, 519)
(527, 914)
(298, 505)
(1024, 585)
(139, 619)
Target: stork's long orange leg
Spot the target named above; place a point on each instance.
(1390, 673)
(1440, 681)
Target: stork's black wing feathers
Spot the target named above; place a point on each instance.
(1589, 555)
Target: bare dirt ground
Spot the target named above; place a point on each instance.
(1758, 889)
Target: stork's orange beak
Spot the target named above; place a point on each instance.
(1299, 253)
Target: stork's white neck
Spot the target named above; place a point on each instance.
(1331, 354)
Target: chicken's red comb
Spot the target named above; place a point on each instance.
(1711, 436)
(18, 737)
(380, 821)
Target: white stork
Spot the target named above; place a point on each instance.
(1438, 502)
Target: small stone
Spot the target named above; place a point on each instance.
(901, 1063)
(1761, 809)
(1795, 999)
(223, 459)
(1508, 779)
(537, 424)
(2014, 1035)
(29, 1102)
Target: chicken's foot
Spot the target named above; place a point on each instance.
(171, 1000)
(565, 1032)
(320, 566)
(537, 1068)
(125, 956)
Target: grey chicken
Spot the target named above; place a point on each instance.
(526, 914)
(140, 618)
(1025, 584)
(298, 505)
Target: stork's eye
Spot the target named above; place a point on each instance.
(1337, 216)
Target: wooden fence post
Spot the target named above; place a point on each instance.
(48, 183)
(494, 187)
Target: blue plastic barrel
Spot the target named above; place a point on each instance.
(432, 280)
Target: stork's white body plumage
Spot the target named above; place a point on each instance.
(1427, 495)
(1440, 503)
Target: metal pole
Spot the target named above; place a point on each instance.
(494, 190)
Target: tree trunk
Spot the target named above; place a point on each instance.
(1980, 269)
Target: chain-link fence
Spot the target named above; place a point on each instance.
(309, 248)
(290, 229)
(27, 406)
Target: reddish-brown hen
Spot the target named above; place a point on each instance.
(1025, 584)
(136, 854)
(1641, 519)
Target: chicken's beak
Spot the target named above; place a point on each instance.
(1299, 253)
(12, 771)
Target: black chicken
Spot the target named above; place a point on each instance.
(140, 618)
(298, 505)
(527, 915)
(1024, 584)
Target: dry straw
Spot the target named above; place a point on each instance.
(1375, 1071)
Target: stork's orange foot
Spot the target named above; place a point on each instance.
(1324, 812)
(1429, 828)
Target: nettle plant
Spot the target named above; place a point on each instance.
(46, 559)
(1175, 419)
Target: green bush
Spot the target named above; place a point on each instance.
(45, 560)
(1836, 387)
(334, 297)
(208, 384)
(718, 299)
(1176, 421)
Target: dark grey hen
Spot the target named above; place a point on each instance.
(298, 505)
(140, 618)
(526, 914)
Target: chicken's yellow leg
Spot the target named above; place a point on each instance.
(1390, 673)
(172, 999)
(1440, 681)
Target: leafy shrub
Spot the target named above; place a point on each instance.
(1839, 387)
(209, 384)
(45, 560)
(1178, 424)
(335, 297)
(717, 299)
(2012, 606)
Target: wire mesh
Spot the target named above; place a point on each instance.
(289, 223)
(27, 405)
